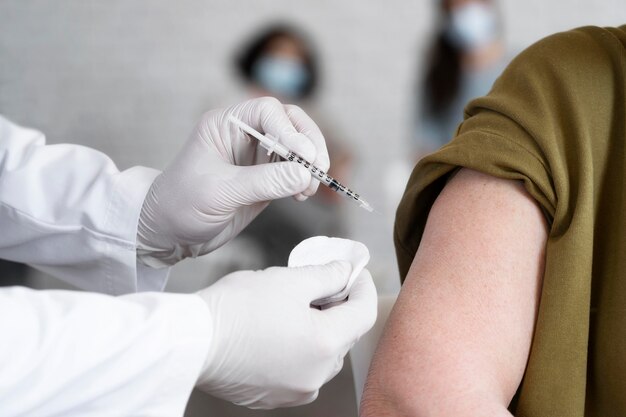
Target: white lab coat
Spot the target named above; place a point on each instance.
(67, 210)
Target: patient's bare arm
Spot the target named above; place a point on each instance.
(458, 339)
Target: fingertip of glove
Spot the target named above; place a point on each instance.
(305, 147)
(364, 293)
(323, 161)
(299, 176)
(365, 284)
(340, 267)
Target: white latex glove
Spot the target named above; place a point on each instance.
(270, 348)
(320, 250)
(221, 180)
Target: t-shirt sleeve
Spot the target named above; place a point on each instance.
(547, 121)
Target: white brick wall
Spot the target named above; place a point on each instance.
(131, 77)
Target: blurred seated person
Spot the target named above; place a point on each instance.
(511, 242)
(280, 61)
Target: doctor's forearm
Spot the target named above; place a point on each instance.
(75, 353)
(67, 209)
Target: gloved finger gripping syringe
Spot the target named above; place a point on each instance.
(272, 145)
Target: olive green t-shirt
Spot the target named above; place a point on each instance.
(555, 120)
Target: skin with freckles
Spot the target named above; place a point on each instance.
(458, 338)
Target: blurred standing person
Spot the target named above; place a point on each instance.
(466, 57)
(280, 61)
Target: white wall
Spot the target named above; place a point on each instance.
(131, 77)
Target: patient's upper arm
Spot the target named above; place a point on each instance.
(458, 339)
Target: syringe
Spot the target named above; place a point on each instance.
(272, 145)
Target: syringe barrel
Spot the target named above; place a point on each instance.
(323, 177)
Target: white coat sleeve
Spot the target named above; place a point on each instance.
(67, 210)
(65, 353)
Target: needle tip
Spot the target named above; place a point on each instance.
(366, 206)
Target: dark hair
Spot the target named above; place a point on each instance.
(443, 75)
(254, 49)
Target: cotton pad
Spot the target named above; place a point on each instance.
(321, 250)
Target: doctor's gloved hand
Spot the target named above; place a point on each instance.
(269, 347)
(222, 179)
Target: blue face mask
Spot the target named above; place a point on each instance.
(283, 77)
(472, 26)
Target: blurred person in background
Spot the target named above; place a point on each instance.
(280, 61)
(466, 57)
